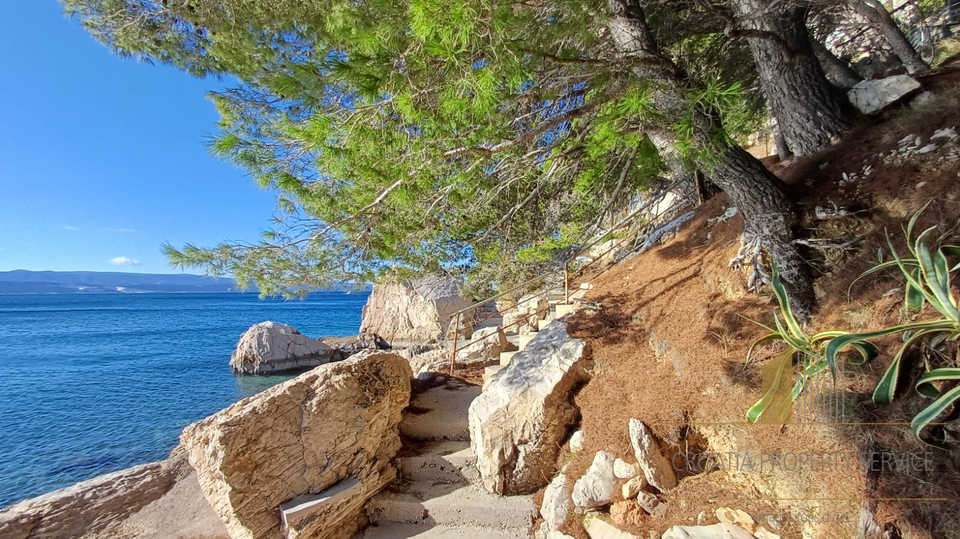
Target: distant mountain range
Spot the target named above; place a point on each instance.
(81, 282)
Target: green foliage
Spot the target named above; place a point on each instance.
(928, 282)
(423, 134)
(809, 351)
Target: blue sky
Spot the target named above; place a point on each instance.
(103, 158)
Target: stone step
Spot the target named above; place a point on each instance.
(524, 340)
(579, 294)
(440, 413)
(494, 322)
(441, 462)
(432, 531)
(488, 372)
(563, 310)
(544, 323)
(585, 286)
(505, 358)
(451, 505)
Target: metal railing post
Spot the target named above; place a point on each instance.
(453, 355)
(566, 285)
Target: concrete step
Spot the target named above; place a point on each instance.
(563, 310)
(585, 286)
(488, 372)
(441, 462)
(505, 358)
(544, 323)
(451, 505)
(579, 294)
(440, 413)
(433, 531)
(524, 340)
(494, 322)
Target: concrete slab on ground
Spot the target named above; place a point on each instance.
(441, 462)
(452, 505)
(440, 413)
(430, 531)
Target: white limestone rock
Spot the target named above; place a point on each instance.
(416, 311)
(526, 410)
(577, 440)
(633, 487)
(873, 95)
(270, 347)
(598, 485)
(93, 505)
(716, 531)
(656, 468)
(288, 446)
(487, 344)
(623, 470)
(598, 527)
(555, 500)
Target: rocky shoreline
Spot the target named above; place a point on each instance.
(415, 315)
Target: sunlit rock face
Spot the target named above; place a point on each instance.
(301, 459)
(416, 311)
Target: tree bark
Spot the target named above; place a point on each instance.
(759, 195)
(810, 113)
(686, 178)
(877, 16)
(838, 72)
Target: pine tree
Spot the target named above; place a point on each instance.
(429, 134)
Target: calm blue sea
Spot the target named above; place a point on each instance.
(96, 383)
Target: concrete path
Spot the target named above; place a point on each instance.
(436, 497)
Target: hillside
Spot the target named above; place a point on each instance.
(85, 282)
(681, 317)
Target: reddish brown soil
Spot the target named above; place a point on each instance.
(670, 340)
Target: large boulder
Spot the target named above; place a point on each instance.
(92, 505)
(519, 422)
(873, 95)
(269, 347)
(413, 311)
(302, 458)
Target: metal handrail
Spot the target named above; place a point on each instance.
(658, 198)
(459, 314)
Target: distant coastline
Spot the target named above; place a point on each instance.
(87, 282)
(96, 282)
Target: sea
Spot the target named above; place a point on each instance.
(93, 383)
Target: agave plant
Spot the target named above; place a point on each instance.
(927, 273)
(809, 351)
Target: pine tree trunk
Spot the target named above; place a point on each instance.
(838, 72)
(684, 177)
(877, 15)
(757, 193)
(811, 114)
